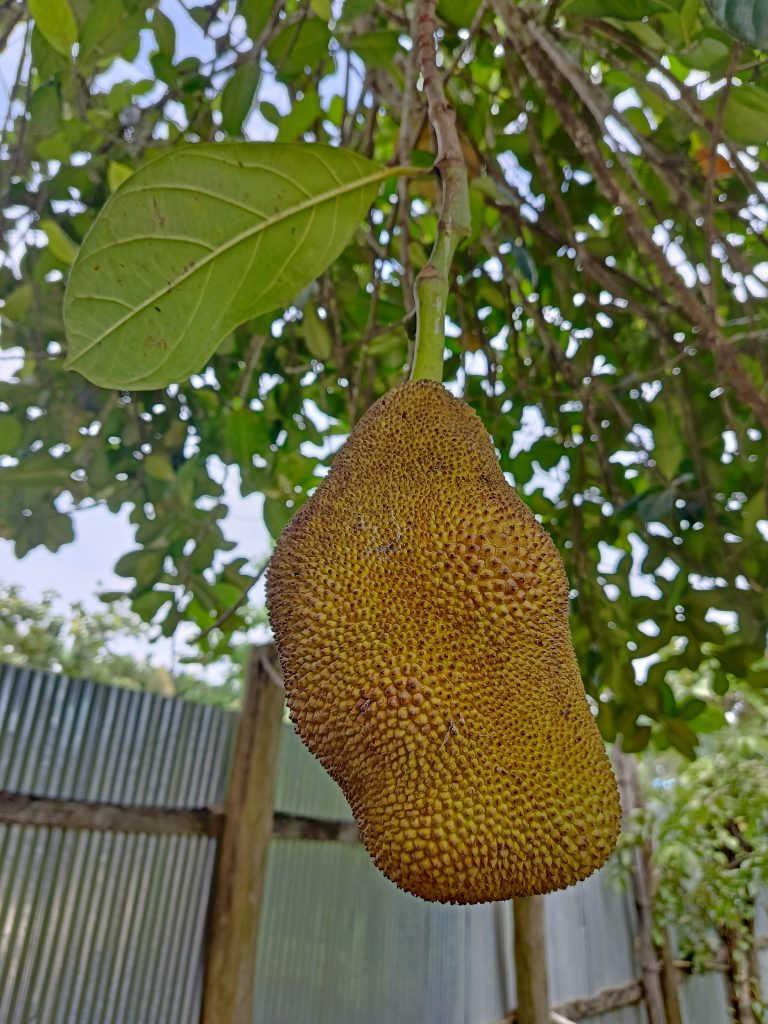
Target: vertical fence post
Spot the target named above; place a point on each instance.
(233, 927)
(531, 961)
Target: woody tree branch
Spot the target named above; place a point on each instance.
(432, 283)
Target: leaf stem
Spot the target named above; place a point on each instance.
(433, 282)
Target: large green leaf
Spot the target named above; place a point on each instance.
(256, 14)
(317, 337)
(165, 33)
(245, 436)
(377, 49)
(197, 242)
(11, 433)
(37, 470)
(300, 119)
(277, 515)
(59, 242)
(745, 19)
(457, 12)
(56, 23)
(109, 28)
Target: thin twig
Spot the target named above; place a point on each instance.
(709, 193)
(251, 362)
(588, 143)
(229, 612)
(649, 61)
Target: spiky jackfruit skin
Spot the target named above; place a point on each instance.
(421, 618)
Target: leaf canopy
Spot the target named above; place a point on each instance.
(607, 318)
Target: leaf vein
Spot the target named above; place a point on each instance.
(112, 299)
(291, 254)
(267, 168)
(172, 349)
(149, 238)
(211, 195)
(310, 204)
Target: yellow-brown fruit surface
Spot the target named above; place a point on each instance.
(421, 618)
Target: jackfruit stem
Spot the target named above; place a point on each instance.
(432, 284)
(431, 294)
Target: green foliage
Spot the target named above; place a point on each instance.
(606, 314)
(625, 10)
(237, 97)
(83, 643)
(745, 19)
(708, 825)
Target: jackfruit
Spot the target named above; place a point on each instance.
(421, 618)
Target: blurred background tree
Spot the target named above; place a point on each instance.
(706, 826)
(105, 646)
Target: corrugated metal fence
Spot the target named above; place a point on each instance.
(98, 926)
(108, 928)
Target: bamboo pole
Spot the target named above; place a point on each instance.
(233, 927)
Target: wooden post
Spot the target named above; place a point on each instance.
(531, 961)
(670, 979)
(233, 926)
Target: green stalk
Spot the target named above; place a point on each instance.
(433, 282)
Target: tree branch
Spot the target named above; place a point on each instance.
(709, 194)
(405, 144)
(251, 362)
(455, 220)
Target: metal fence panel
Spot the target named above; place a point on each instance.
(107, 928)
(366, 951)
(80, 740)
(342, 944)
(303, 787)
(104, 927)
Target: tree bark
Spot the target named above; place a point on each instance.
(233, 927)
(531, 961)
(738, 978)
